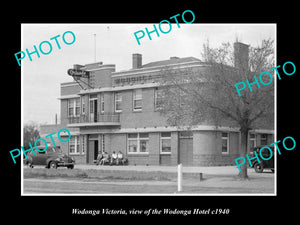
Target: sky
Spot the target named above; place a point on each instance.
(114, 44)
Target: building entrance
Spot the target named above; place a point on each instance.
(93, 148)
(186, 148)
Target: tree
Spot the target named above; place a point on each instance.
(207, 94)
(31, 134)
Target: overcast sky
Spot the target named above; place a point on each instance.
(115, 44)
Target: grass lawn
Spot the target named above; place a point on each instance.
(79, 181)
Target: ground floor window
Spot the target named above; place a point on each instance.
(225, 143)
(74, 145)
(252, 141)
(138, 143)
(165, 143)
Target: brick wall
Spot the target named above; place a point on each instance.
(138, 159)
(64, 112)
(69, 88)
(153, 149)
(103, 77)
(118, 143)
(208, 148)
(214, 160)
(145, 118)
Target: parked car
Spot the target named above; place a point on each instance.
(51, 158)
(264, 164)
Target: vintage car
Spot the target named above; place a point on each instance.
(51, 158)
(264, 164)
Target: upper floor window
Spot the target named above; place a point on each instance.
(82, 106)
(77, 106)
(102, 103)
(73, 107)
(158, 99)
(118, 102)
(137, 99)
(182, 98)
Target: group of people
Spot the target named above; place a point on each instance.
(114, 158)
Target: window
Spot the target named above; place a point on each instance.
(182, 98)
(118, 102)
(225, 143)
(77, 106)
(73, 107)
(70, 108)
(82, 106)
(252, 141)
(93, 108)
(138, 143)
(144, 142)
(165, 143)
(263, 139)
(158, 99)
(74, 145)
(132, 143)
(137, 100)
(102, 103)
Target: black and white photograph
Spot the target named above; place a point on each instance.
(127, 113)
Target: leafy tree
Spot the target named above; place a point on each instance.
(207, 95)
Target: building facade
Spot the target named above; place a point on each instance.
(111, 111)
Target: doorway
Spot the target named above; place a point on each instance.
(93, 109)
(93, 148)
(186, 148)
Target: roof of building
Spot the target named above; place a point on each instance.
(172, 60)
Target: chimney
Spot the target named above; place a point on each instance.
(241, 55)
(136, 61)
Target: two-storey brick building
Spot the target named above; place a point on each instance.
(112, 110)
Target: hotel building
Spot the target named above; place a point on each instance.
(109, 110)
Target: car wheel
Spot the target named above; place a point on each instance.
(52, 165)
(71, 167)
(258, 168)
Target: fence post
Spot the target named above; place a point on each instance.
(179, 178)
